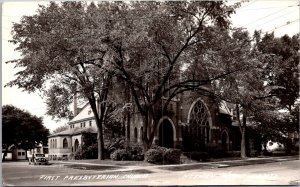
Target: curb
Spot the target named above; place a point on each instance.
(211, 165)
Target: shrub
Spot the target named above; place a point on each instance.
(172, 156)
(136, 149)
(136, 152)
(199, 156)
(234, 154)
(121, 154)
(79, 154)
(162, 149)
(113, 144)
(158, 154)
(154, 156)
(133, 152)
(214, 151)
(217, 153)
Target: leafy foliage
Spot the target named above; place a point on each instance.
(22, 129)
(89, 149)
(162, 155)
(154, 156)
(60, 46)
(283, 72)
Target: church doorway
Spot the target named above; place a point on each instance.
(76, 145)
(166, 134)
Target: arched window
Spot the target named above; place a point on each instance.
(135, 134)
(196, 135)
(76, 145)
(199, 121)
(65, 143)
(141, 133)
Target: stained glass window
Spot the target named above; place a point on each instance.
(199, 124)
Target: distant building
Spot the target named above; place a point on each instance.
(40, 148)
(64, 144)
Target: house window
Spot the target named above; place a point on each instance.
(83, 124)
(65, 143)
(23, 153)
(80, 125)
(19, 153)
(90, 123)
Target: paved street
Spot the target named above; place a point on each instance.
(281, 172)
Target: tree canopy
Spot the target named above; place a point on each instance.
(22, 129)
(138, 56)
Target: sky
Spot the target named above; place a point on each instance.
(279, 16)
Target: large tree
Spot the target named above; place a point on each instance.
(283, 67)
(21, 129)
(246, 89)
(281, 71)
(152, 45)
(148, 45)
(59, 46)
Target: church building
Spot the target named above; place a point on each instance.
(192, 123)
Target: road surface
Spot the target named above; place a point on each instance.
(277, 173)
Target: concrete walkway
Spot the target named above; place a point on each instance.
(174, 167)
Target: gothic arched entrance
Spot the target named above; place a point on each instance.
(166, 134)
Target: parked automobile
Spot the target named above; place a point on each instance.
(37, 158)
(274, 146)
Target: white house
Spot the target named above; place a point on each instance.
(65, 143)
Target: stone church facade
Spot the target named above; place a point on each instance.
(193, 123)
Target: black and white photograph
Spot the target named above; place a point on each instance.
(151, 93)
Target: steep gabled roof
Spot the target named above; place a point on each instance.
(85, 114)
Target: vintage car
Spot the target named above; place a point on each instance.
(37, 158)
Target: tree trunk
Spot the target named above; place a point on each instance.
(149, 124)
(242, 130)
(100, 146)
(243, 140)
(145, 133)
(99, 121)
(243, 143)
(100, 138)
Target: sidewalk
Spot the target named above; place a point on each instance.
(229, 163)
(150, 168)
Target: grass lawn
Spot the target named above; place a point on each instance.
(115, 163)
